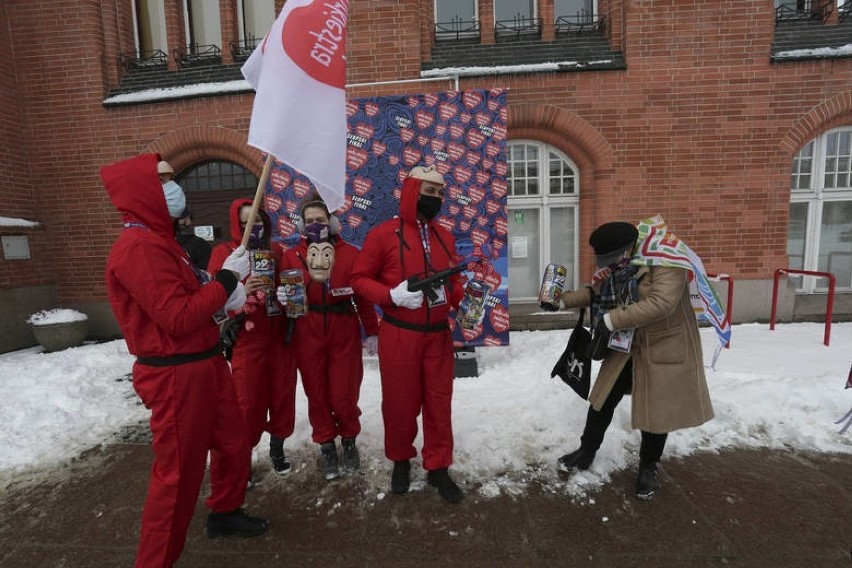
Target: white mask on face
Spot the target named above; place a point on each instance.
(175, 199)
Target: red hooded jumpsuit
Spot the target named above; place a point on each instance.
(262, 364)
(327, 341)
(163, 310)
(415, 346)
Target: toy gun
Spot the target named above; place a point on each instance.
(429, 284)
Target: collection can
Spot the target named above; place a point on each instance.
(552, 286)
(294, 288)
(262, 265)
(472, 307)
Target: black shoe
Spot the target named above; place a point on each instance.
(401, 477)
(448, 489)
(331, 466)
(280, 463)
(234, 523)
(351, 457)
(646, 483)
(578, 459)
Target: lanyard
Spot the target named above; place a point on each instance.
(424, 238)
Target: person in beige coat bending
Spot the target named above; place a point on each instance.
(656, 356)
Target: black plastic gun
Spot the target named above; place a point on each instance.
(431, 283)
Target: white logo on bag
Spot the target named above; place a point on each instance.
(574, 366)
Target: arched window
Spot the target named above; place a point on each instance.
(543, 216)
(210, 188)
(819, 236)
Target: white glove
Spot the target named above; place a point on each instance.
(372, 345)
(238, 261)
(608, 322)
(282, 295)
(405, 299)
(237, 299)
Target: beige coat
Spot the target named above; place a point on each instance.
(669, 387)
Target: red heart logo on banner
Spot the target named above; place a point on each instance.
(501, 227)
(412, 101)
(465, 117)
(482, 177)
(443, 168)
(453, 209)
(397, 193)
(456, 131)
(371, 109)
(501, 168)
(475, 139)
(441, 129)
(491, 341)
(471, 334)
(499, 317)
(482, 221)
(364, 130)
(379, 147)
(411, 156)
(456, 151)
(437, 145)
(464, 225)
(492, 150)
(280, 179)
(455, 193)
(492, 206)
(461, 174)
(447, 110)
(393, 159)
(504, 115)
(492, 278)
(347, 205)
(301, 188)
(407, 134)
(497, 244)
(352, 107)
(290, 207)
(482, 119)
(469, 211)
(355, 157)
(273, 203)
(473, 158)
(499, 133)
(493, 103)
(353, 219)
(431, 99)
(362, 185)
(422, 140)
(487, 164)
(476, 194)
(314, 37)
(285, 227)
(424, 119)
(446, 224)
(479, 237)
(472, 99)
(499, 188)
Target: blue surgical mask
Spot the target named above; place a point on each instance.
(175, 199)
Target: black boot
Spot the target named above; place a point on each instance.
(578, 459)
(280, 463)
(351, 458)
(234, 523)
(331, 465)
(448, 489)
(646, 483)
(401, 477)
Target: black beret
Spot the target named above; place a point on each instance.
(611, 240)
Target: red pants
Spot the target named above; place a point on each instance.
(193, 409)
(417, 373)
(330, 362)
(264, 371)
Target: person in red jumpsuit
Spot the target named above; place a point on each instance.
(262, 363)
(415, 345)
(327, 339)
(165, 307)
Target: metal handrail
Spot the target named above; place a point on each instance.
(456, 29)
(154, 59)
(242, 49)
(810, 11)
(198, 55)
(581, 24)
(829, 305)
(518, 26)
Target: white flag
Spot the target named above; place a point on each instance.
(299, 75)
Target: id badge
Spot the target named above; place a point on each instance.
(441, 297)
(621, 340)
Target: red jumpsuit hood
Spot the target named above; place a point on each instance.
(234, 218)
(408, 200)
(135, 189)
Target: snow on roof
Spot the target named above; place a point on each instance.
(13, 222)
(183, 92)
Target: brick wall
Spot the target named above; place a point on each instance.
(700, 127)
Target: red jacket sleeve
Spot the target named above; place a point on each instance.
(368, 268)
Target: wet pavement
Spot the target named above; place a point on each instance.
(736, 508)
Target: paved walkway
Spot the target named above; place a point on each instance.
(739, 508)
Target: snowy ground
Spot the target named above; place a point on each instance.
(772, 389)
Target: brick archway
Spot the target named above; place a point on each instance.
(833, 112)
(188, 146)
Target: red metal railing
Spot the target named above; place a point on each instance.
(830, 304)
(729, 305)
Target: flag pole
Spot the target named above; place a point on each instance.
(255, 206)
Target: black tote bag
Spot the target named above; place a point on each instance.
(574, 367)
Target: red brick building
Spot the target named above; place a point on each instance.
(731, 118)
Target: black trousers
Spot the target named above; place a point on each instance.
(598, 421)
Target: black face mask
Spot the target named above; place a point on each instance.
(429, 206)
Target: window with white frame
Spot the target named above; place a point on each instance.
(514, 10)
(543, 216)
(203, 25)
(255, 18)
(456, 15)
(819, 236)
(149, 27)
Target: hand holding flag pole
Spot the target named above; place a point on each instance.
(298, 73)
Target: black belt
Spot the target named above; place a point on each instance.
(180, 358)
(338, 308)
(434, 328)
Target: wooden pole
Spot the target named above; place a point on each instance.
(255, 206)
